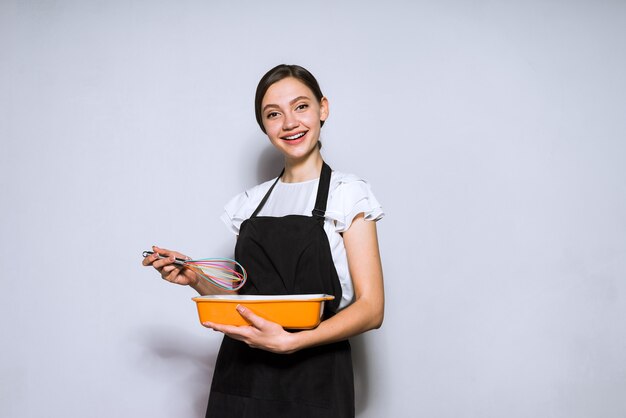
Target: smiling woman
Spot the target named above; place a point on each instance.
(292, 118)
(308, 231)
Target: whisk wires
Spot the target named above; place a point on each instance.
(224, 273)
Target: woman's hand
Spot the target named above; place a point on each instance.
(261, 333)
(169, 271)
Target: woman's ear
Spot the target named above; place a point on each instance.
(324, 109)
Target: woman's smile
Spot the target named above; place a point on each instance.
(295, 138)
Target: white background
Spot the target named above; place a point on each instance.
(493, 133)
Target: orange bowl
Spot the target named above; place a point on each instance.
(290, 311)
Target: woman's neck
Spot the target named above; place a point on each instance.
(303, 170)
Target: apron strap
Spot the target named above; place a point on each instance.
(323, 187)
(319, 210)
(267, 195)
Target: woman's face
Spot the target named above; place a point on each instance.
(291, 117)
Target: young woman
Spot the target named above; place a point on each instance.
(310, 230)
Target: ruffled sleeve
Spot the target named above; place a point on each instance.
(349, 196)
(240, 207)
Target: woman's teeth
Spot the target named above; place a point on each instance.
(296, 136)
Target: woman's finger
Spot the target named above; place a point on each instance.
(252, 318)
(170, 273)
(162, 262)
(164, 252)
(149, 260)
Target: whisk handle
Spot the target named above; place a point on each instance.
(179, 261)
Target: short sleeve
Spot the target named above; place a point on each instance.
(349, 196)
(240, 207)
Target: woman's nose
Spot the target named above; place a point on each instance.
(289, 122)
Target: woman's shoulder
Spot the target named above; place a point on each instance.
(349, 196)
(241, 206)
(252, 194)
(259, 190)
(339, 177)
(341, 182)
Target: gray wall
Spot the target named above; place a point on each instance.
(492, 132)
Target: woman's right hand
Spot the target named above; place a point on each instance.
(174, 273)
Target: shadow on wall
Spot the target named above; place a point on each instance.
(361, 375)
(173, 349)
(269, 164)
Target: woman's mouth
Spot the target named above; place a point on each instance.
(294, 136)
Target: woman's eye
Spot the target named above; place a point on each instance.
(272, 115)
(302, 106)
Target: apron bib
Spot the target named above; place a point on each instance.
(285, 255)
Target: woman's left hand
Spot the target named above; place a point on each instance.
(261, 333)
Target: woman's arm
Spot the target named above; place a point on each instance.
(364, 314)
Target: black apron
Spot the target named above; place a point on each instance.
(285, 255)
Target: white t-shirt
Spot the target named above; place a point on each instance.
(348, 196)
